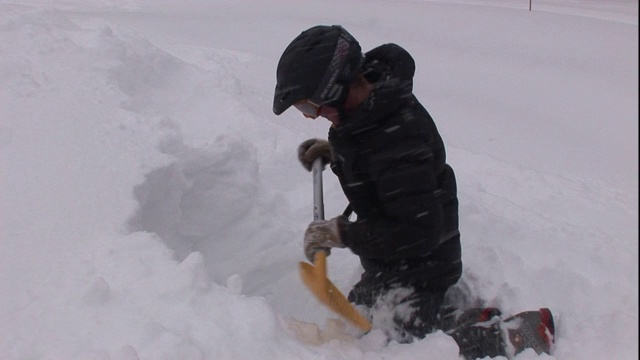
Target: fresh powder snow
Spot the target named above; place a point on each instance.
(152, 206)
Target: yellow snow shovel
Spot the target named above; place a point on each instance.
(315, 277)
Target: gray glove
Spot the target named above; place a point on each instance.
(322, 235)
(310, 150)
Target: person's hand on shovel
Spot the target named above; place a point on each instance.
(322, 235)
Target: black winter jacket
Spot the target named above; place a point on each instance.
(390, 160)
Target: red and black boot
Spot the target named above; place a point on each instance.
(476, 331)
(529, 330)
(481, 332)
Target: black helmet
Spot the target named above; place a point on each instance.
(318, 65)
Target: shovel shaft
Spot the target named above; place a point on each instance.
(315, 276)
(318, 202)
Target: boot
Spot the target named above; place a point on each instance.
(476, 331)
(481, 333)
(529, 329)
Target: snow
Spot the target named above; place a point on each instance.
(152, 207)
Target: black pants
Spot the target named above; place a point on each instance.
(407, 314)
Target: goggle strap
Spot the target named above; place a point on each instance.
(328, 90)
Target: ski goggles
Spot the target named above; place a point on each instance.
(308, 108)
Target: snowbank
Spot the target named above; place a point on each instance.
(151, 208)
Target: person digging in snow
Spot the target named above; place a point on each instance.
(390, 160)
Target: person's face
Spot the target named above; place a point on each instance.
(311, 110)
(359, 90)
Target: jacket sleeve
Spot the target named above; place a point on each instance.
(410, 223)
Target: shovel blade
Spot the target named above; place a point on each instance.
(315, 278)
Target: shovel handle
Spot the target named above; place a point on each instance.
(318, 202)
(315, 276)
